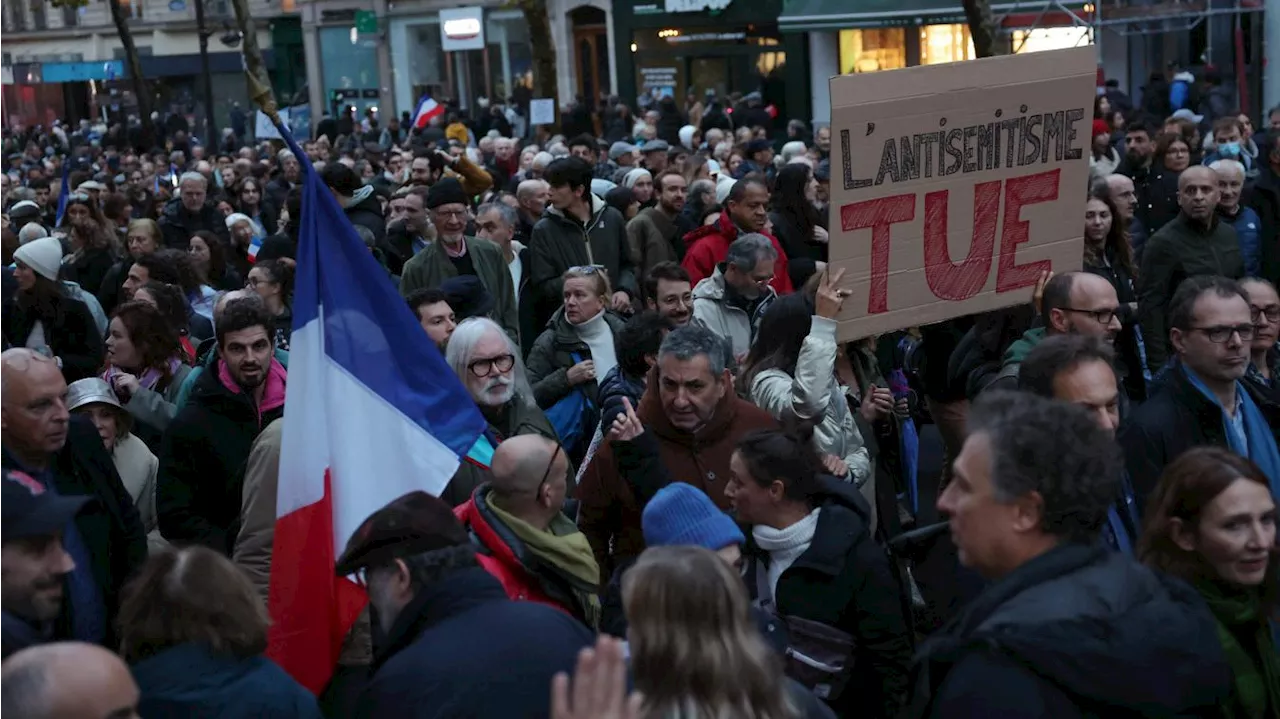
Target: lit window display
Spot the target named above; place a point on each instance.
(872, 49)
(945, 43)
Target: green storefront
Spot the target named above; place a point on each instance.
(677, 46)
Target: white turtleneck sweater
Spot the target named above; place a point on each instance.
(784, 546)
(599, 338)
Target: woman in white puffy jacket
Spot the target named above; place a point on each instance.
(790, 373)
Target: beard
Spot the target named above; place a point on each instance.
(496, 392)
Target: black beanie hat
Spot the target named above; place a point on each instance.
(447, 191)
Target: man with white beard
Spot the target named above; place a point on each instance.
(488, 362)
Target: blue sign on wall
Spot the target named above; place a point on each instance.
(82, 71)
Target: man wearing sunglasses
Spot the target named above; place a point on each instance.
(1202, 400)
(1075, 303)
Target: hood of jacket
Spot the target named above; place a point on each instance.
(722, 231)
(1103, 628)
(597, 208)
(653, 415)
(1021, 347)
(844, 520)
(364, 199)
(1184, 76)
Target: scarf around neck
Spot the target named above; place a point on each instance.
(1249, 647)
(785, 545)
(564, 547)
(150, 378)
(1261, 443)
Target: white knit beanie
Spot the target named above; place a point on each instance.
(44, 256)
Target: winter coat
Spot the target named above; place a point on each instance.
(69, 331)
(1079, 631)
(1100, 167)
(519, 416)
(432, 266)
(1180, 250)
(612, 495)
(1129, 359)
(1157, 192)
(253, 544)
(1176, 418)
(708, 246)
(473, 178)
(138, 467)
(193, 680)
(88, 268)
(523, 575)
(843, 580)
(559, 242)
(202, 460)
(1181, 92)
(814, 394)
(462, 648)
(1248, 227)
(714, 308)
(794, 241)
(653, 238)
(112, 533)
(1264, 199)
(76, 292)
(154, 409)
(552, 355)
(1011, 363)
(177, 225)
(616, 386)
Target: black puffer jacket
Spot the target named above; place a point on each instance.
(844, 580)
(177, 225)
(558, 242)
(367, 212)
(1080, 631)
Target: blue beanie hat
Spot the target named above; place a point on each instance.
(680, 514)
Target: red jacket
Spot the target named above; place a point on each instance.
(709, 245)
(496, 554)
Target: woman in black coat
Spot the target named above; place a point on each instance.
(1107, 254)
(796, 221)
(39, 314)
(810, 556)
(93, 243)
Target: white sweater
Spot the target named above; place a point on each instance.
(599, 337)
(784, 546)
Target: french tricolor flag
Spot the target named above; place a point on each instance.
(427, 109)
(372, 411)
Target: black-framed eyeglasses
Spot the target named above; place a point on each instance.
(1222, 333)
(485, 367)
(1102, 316)
(1271, 312)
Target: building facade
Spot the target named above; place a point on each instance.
(69, 63)
(387, 55)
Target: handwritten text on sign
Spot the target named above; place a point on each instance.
(920, 210)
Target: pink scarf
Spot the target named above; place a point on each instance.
(149, 378)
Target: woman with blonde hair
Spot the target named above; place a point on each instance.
(194, 632)
(696, 652)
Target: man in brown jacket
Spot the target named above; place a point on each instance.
(652, 234)
(694, 420)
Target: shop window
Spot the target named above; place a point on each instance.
(945, 43)
(872, 49)
(1050, 38)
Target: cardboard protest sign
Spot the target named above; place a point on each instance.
(954, 186)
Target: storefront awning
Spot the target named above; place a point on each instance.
(806, 15)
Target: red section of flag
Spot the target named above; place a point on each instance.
(311, 609)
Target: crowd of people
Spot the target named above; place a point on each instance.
(700, 501)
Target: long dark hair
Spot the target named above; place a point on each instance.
(171, 302)
(217, 257)
(1186, 488)
(46, 299)
(790, 202)
(1117, 241)
(238, 189)
(782, 330)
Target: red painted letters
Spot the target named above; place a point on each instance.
(947, 279)
(1018, 192)
(878, 215)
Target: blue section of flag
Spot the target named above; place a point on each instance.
(64, 193)
(369, 331)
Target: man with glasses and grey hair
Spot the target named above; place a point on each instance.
(685, 428)
(453, 254)
(1202, 399)
(190, 212)
(487, 360)
(734, 298)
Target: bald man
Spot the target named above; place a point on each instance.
(106, 540)
(1194, 243)
(67, 680)
(527, 542)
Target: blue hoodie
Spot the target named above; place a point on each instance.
(191, 680)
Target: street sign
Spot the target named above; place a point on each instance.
(366, 21)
